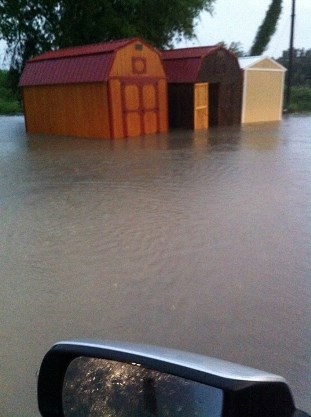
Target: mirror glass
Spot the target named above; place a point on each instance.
(105, 388)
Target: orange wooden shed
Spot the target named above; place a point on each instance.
(107, 90)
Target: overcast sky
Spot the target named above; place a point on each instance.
(238, 21)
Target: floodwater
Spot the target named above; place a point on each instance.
(200, 242)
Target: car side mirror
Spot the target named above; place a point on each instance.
(101, 378)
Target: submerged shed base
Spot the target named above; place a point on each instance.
(70, 110)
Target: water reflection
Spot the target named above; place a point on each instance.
(106, 388)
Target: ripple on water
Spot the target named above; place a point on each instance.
(195, 241)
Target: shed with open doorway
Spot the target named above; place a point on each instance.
(263, 89)
(107, 90)
(204, 87)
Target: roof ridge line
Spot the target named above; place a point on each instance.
(73, 51)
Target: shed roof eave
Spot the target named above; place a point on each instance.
(188, 53)
(249, 61)
(92, 49)
(83, 50)
(61, 84)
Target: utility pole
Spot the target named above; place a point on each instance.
(290, 56)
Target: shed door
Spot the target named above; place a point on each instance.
(201, 106)
(140, 107)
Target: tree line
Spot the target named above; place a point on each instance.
(31, 27)
(301, 76)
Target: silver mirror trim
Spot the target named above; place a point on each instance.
(217, 367)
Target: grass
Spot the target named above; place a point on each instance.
(300, 100)
(9, 102)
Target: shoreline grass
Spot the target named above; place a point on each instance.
(9, 101)
(300, 100)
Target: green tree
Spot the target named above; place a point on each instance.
(27, 27)
(301, 76)
(235, 47)
(30, 27)
(157, 21)
(267, 28)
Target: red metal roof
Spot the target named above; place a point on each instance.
(183, 65)
(98, 48)
(182, 70)
(195, 52)
(82, 64)
(86, 69)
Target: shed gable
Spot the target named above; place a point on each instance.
(137, 59)
(268, 63)
(260, 63)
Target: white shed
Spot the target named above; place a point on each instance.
(263, 89)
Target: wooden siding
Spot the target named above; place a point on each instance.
(70, 110)
(213, 104)
(200, 106)
(230, 103)
(163, 106)
(263, 96)
(219, 67)
(115, 104)
(137, 59)
(222, 72)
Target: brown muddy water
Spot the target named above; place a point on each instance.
(200, 242)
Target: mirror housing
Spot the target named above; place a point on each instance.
(247, 392)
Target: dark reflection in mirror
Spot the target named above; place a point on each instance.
(105, 388)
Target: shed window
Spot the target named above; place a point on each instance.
(139, 65)
(138, 47)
